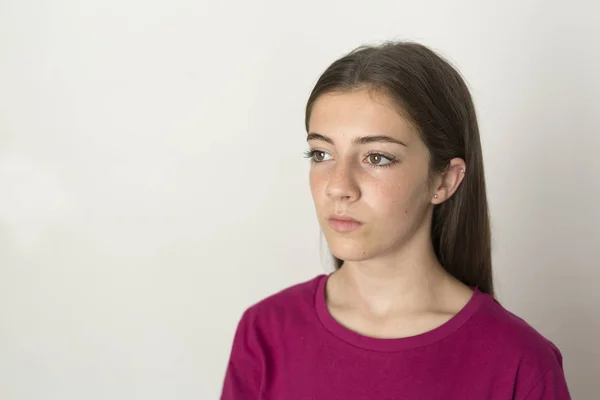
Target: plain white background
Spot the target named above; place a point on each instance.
(152, 183)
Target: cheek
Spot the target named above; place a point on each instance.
(398, 196)
(389, 198)
(313, 181)
(317, 184)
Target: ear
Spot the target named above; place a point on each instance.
(448, 181)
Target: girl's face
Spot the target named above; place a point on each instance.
(367, 163)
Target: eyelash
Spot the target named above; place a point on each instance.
(310, 153)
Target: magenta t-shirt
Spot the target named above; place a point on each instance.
(288, 347)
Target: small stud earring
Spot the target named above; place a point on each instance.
(435, 196)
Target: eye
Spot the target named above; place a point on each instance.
(379, 160)
(315, 156)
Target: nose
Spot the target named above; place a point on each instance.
(342, 184)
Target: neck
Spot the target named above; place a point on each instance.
(408, 280)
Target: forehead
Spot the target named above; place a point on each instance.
(359, 113)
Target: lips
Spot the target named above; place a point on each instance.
(343, 217)
(343, 224)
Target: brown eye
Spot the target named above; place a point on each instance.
(319, 155)
(379, 160)
(316, 156)
(375, 158)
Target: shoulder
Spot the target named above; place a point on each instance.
(286, 305)
(515, 335)
(517, 348)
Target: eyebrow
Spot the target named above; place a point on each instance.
(357, 140)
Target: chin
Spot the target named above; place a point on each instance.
(350, 251)
(350, 258)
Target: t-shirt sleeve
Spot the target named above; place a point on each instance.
(243, 375)
(551, 386)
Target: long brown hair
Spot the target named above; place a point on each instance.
(429, 91)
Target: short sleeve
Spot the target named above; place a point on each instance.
(243, 375)
(551, 386)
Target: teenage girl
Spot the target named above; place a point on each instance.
(398, 184)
